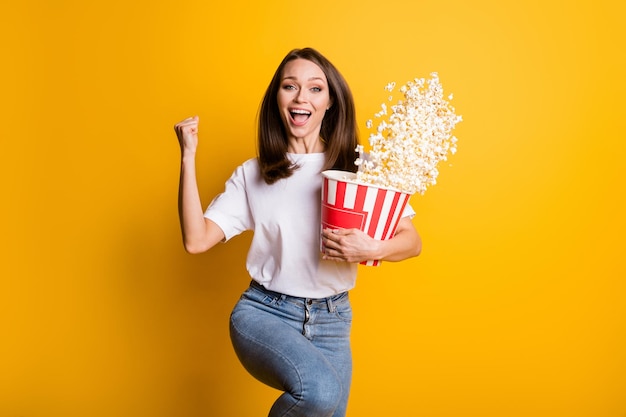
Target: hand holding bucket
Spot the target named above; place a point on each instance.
(348, 204)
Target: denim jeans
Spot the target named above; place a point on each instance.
(298, 345)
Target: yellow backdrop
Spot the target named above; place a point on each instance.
(515, 308)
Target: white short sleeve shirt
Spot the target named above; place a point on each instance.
(284, 255)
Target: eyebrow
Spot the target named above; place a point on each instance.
(310, 79)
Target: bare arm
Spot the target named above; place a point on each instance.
(199, 233)
(353, 245)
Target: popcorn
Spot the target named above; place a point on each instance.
(409, 143)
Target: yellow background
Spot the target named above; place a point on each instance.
(515, 308)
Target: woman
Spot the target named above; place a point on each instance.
(291, 327)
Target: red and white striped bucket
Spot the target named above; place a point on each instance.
(348, 204)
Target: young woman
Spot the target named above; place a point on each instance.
(291, 327)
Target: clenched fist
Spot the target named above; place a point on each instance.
(187, 133)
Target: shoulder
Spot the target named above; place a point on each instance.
(248, 168)
(248, 174)
(251, 162)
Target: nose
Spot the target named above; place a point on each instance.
(301, 96)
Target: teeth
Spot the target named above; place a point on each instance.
(301, 112)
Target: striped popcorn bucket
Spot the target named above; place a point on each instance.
(347, 204)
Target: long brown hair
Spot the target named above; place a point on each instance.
(338, 129)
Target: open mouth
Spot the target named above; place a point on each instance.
(299, 116)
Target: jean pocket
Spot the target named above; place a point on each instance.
(343, 312)
(255, 295)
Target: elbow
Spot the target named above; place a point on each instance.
(194, 248)
(417, 248)
(411, 240)
(199, 241)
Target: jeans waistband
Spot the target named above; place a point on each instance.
(328, 301)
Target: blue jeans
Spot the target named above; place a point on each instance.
(298, 345)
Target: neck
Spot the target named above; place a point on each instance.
(304, 145)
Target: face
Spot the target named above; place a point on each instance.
(303, 98)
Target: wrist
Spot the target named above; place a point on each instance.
(378, 249)
(188, 154)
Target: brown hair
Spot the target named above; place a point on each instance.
(338, 127)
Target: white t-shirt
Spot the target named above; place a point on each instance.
(285, 217)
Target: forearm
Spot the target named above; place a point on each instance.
(193, 224)
(354, 245)
(406, 243)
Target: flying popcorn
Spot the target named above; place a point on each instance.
(411, 138)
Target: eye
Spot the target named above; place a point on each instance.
(289, 87)
(316, 89)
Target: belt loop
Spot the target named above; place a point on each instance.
(280, 299)
(330, 305)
